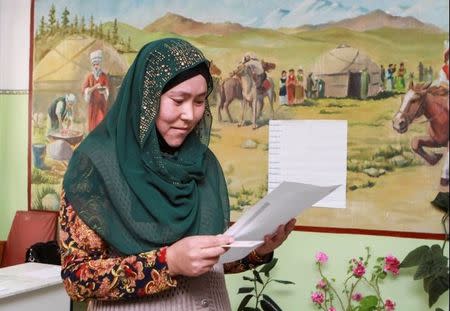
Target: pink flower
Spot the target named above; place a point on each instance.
(321, 257)
(359, 270)
(357, 296)
(391, 264)
(389, 305)
(318, 297)
(321, 284)
(331, 309)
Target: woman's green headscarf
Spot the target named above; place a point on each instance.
(123, 186)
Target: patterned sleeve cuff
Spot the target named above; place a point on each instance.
(254, 258)
(157, 260)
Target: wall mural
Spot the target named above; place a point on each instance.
(369, 63)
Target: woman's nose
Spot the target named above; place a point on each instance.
(187, 112)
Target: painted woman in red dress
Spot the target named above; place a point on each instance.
(96, 91)
(291, 83)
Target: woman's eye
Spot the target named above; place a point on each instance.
(178, 101)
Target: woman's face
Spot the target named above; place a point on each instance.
(180, 110)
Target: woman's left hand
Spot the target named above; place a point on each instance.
(271, 242)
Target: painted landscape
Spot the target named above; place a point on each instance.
(389, 187)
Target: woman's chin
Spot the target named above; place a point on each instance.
(175, 142)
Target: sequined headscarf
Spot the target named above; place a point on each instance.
(124, 186)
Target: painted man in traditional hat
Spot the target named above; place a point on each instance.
(96, 91)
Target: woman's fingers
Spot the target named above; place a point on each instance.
(195, 255)
(271, 242)
(206, 241)
(212, 252)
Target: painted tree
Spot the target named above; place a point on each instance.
(42, 27)
(75, 24)
(115, 32)
(65, 20)
(129, 44)
(91, 26)
(82, 25)
(100, 31)
(52, 19)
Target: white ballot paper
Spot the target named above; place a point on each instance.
(278, 207)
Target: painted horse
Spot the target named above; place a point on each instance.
(432, 103)
(249, 88)
(215, 71)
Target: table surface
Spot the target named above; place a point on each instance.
(27, 277)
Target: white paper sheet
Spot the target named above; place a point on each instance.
(310, 152)
(278, 207)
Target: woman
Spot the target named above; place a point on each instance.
(290, 86)
(145, 201)
(299, 90)
(282, 92)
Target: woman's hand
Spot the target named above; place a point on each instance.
(195, 255)
(271, 242)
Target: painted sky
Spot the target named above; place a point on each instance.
(255, 13)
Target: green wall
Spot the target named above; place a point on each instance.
(297, 264)
(13, 158)
(296, 256)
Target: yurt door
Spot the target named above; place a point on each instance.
(354, 85)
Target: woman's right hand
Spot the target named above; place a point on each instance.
(195, 255)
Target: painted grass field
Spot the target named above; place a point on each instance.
(398, 199)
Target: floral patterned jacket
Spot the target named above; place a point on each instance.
(91, 270)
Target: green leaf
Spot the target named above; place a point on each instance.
(269, 304)
(248, 279)
(244, 302)
(439, 309)
(244, 290)
(368, 303)
(269, 266)
(250, 309)
(257, 277)
(433, 264)
(436, 249)
(284, 282)
(438, 286)
(414, 258)
(442, 201)
(266, 306)
(426, 283)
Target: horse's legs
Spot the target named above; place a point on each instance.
(254, 112)
(417, 144)
(219, 113)
(261, 107)
(227, 103)
(271, 100)
(243, 108)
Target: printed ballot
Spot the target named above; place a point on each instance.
(279, 206)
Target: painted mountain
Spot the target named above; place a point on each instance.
(329, 12)
(177, 24)
(378, 19)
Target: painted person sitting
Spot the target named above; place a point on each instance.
(60, 113)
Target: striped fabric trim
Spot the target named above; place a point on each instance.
(13, 92)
